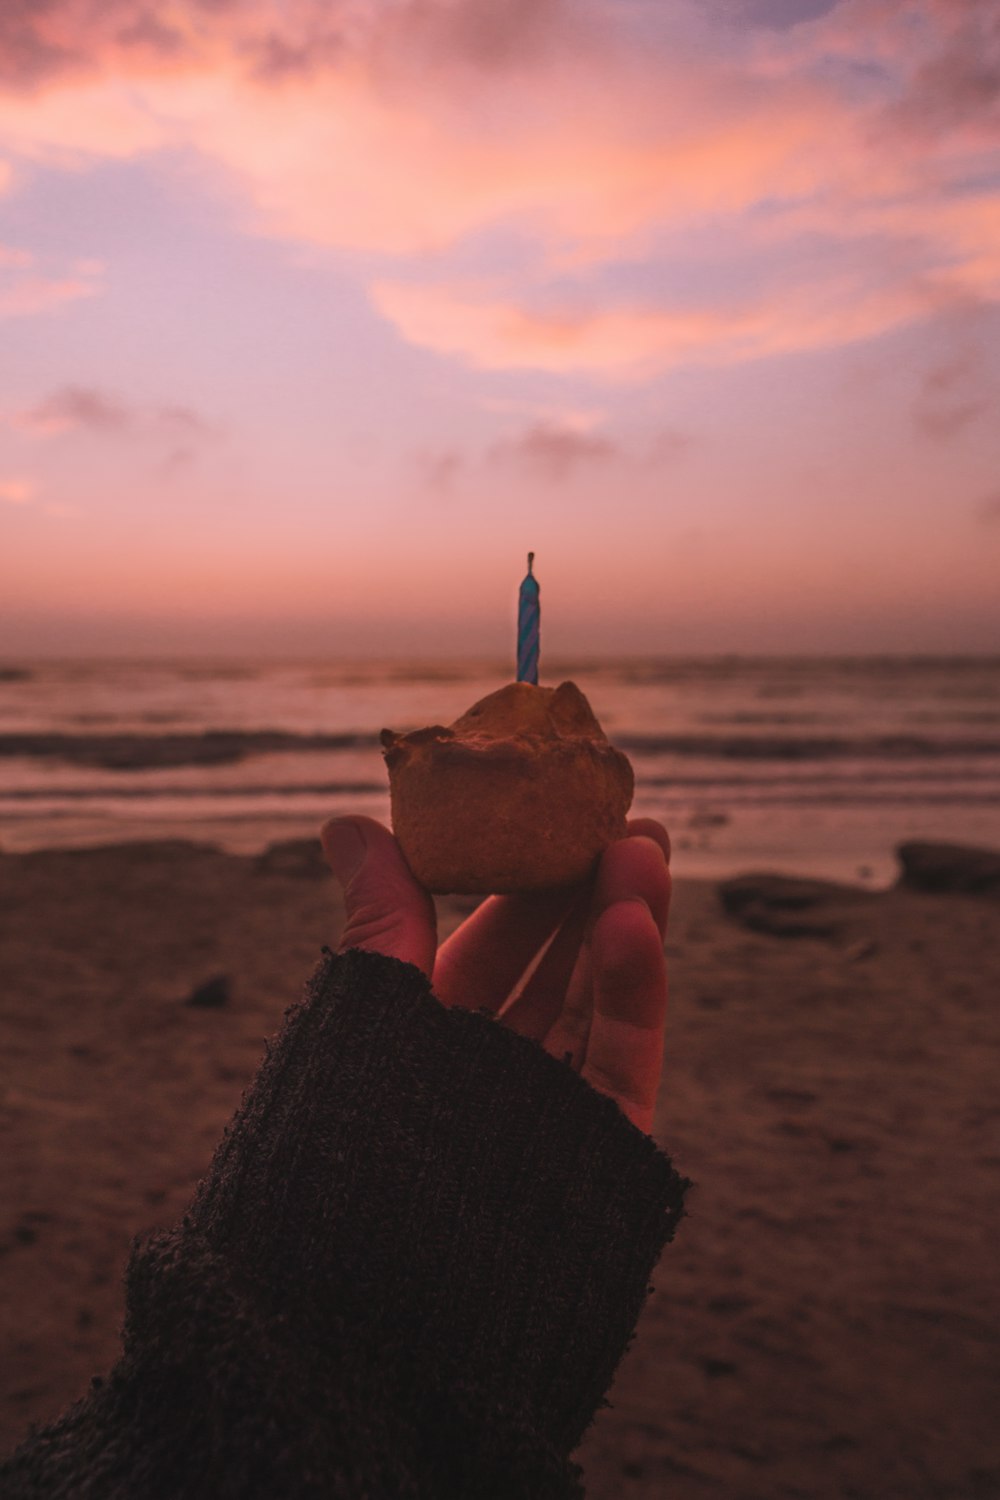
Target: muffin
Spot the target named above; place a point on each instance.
(521, 793)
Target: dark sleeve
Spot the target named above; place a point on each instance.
(418, 1257)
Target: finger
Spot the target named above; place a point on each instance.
(556, 998)
(537, 1005)
(386, 910)
(625, 1047)
(567, 1036)
(482, 961)
(635, 866)
(649, 828)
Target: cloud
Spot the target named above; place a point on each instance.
(951, 395)
(74, 406)
(14, 259)
(441, 469)
(593, 139)
(147, 32)
(551, 450)
(184, 421)
(17, 491)
(490, 36)
(958, 84)
(176, 461)
(43, 41)
(428, 120)
(551, 453)
(947, 420)
(51, 43)
(668, 445)
(636, 340)
(27, 289)
(27, 55)
(779, 14)
(78, 407)
(34, 294)
(988, 509)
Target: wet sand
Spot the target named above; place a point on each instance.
(826, 1322)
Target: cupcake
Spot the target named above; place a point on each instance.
(522, 793)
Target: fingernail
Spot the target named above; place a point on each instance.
(345, 848)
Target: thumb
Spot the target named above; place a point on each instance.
(387, 911)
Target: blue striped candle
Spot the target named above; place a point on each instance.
(528, 619)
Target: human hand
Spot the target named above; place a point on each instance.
(581, 971)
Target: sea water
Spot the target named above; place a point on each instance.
(811, 766)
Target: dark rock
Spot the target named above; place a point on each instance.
(212, 995)
(863, 949)
(711, 1002)
(784, 906)
(302, 858)
(953, 868)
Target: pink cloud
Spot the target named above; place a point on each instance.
(632, 342)
(79, 37)
(75, 406)
(29, 295)
(428, 122)
(422, 128)
(440, 469)
(550, 452)
(954, 392)
(27, 288)
(13, 259)
(83, 406)
(17, 491)
(988, 509)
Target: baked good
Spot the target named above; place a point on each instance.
(520, 794)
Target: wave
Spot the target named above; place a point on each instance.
(895, 777)
(805, 747)
(217, 747)
(798, 672)
(152, 793)
(767, 720)
(973, 716)
(706, 801)
(906, 784)
(139, 752)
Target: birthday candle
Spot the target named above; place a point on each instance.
(528, 617)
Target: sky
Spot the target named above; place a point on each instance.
(316, 315)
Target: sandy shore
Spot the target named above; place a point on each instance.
(826, 1323)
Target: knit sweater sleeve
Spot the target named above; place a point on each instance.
(416, 1261)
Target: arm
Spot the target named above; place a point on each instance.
(417, 1259)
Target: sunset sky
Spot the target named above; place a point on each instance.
(316, 315)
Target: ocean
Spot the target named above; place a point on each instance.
(805, 765)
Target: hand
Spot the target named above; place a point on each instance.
(582, 971)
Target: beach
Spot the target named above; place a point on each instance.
(825, 1323)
